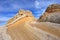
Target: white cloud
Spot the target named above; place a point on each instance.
(37, 4)
(41, 4)
(4, 18)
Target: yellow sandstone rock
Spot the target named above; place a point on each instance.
(25, 27)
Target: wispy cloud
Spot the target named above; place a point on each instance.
(41, 6)
(37, 3)
(3, 20)
(5, 16)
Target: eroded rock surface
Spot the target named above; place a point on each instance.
(4, 34)
(26, 28)
(23, 26)
(52, 14)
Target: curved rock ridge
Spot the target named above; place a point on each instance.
(4, 34)
(52, 14)
(21, 14)
(34, 31)
(53, 8)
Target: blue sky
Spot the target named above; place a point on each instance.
(8, 8)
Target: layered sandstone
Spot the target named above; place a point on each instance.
(16, 26)
(52, 14)
(26, 28)
(4, 34)
(23, 26)
(21, 15)
(34, 31)
(53, 8)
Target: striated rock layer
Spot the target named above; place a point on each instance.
(4, 34)
(20, 15)
(52, 14)
(26, 28)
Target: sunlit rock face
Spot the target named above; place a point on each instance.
(24, 26)
(17, 28)
(20, 15)
(52, 14)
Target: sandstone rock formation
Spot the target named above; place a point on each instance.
(52, 14)
(34, 31)
(20, 15)
(24, 26)
(19, 19)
